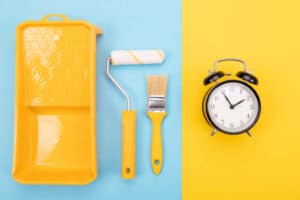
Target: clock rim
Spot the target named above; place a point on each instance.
(208, 118)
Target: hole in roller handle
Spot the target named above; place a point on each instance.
(156, 161)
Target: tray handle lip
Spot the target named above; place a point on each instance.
(49, 16)
(64, 19)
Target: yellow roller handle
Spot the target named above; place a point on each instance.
(157, 145)
(128, 146)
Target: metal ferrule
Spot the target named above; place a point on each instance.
(156, 103)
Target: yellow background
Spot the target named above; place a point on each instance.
(266, 33)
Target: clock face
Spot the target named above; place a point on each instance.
(233, 107)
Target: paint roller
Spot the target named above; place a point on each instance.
(130, 57)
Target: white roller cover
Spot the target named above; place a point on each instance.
(137, 57)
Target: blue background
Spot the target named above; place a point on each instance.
(128, 24)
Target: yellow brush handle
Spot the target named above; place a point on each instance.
(128, 147)
(157, 145)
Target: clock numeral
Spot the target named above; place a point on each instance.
(222, 121)
(241, 123)
(216, 115)
(217, 98)
(249, 98)
(231, 89)
(231, 125)
(248, 116)
(212, 106)
(241, 91)
(252, 107)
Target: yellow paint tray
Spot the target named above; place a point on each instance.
(55, 113)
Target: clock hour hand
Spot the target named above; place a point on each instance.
(230, 104)
(238, 103)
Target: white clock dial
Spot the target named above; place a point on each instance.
(233, 107)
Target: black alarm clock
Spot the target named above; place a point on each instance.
(231, 105)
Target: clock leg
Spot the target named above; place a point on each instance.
(249, 133)
(213, 132)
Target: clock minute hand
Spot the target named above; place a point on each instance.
(230, 104)
(238, 103)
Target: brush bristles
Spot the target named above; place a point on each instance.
(157, 85)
